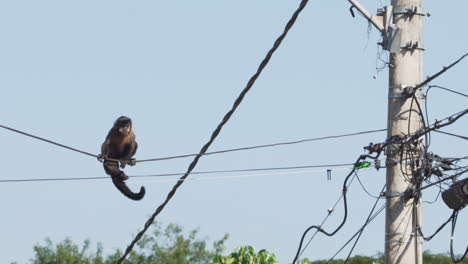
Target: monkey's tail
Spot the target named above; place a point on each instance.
(123, 188)
(118, 177)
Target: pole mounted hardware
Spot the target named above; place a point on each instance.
(456, 196)
(383, 21)
(411, 11)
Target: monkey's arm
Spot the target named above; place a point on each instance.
(104, 149)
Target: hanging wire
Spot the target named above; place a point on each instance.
(446, 89)
(452, 255)
(330, 211)
(370, 218)
(343, 221)
(365, 189)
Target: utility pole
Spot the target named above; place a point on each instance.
(403, 245)
(401, 26)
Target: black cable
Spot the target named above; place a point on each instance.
(319, 229)
(364, 188)
(330, 211)
(175, 174)
(443, 180)
(364, 226)
(450, 134)
(437, 230)
(452, 255)
(451, 119)
(427, 94)
(216, 132)
(446, 89)
(358, 232)
(207, 153)
(265, 145)
(48, 141)
(444, 69)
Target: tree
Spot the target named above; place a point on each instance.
(247, 255)
(168, 246)
(67, 253)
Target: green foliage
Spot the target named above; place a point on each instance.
(247, 255)
(168, 246)
(66, 252)
(173, 246)
(429, 258)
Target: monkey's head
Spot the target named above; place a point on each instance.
(124, 125)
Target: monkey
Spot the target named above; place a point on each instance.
(120, 145)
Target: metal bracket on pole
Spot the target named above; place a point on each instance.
(383, 21)
(411, 11)
(377, 21)
(412, 45)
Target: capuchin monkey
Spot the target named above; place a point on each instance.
(120, 145)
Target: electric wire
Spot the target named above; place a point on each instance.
(179, 174)
(216, 132)
(207, 153)
(358, 231)
(369, 219)
(345, 204)
(265, 145)
(48, 141)
(446, 89)
(452, 255)
(365, 189)
(427, 95)
(429, 238)
(437, 125)
(442, 180)
(238, 176)
(451, 134)
(444, 69)
(330, 211)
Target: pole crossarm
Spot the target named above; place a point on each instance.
(377, 21)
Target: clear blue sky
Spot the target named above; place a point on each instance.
(69, 68)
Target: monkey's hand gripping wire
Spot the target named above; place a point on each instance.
(132, 162)
(356, 166)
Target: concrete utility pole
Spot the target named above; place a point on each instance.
(401, 26)
(403, 215)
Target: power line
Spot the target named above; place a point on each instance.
(443, 180)
(360, 230)
(216, 132)
(207, 153)
(444, 69)
(177, 174)
(343, 221)
(243, 176)
(451, 134)
(446, 89)
(48, 141)
(452, 255)
(266, 145)
(365, 189)
(330, 211)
